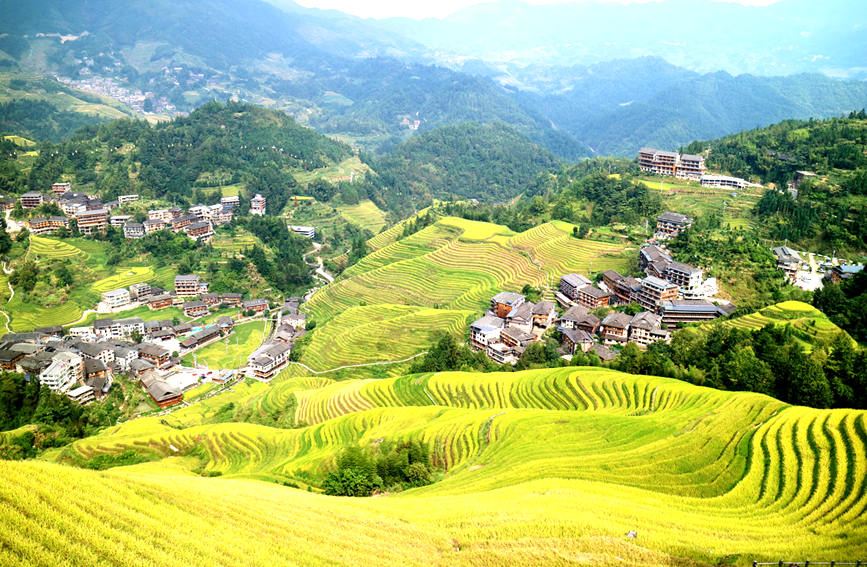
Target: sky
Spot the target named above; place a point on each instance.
(441, 8)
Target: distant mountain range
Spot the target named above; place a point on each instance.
(788, 36)
(367, 82)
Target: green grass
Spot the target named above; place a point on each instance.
(365, 214)
(27, 316)
(539, 467)
(143, 312)
(48, 248)
(694, 200)
(231, 351)
(334, 173)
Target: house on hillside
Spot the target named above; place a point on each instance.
(571, 283)
(257, 305)
(591, 297)
(195, 309)
(615, 328)
(544, 314)
(671, 224)
(521, 317)
(484, 331)
(646, 328)
(576, 339)
(503, 303)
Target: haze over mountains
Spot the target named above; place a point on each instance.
(570, 83)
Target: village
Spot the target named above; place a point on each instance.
(671, 293)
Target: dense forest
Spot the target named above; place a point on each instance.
(215, 145)
(489, 162)
(830, 209)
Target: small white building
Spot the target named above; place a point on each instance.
(116, 297)
(64, 371)
(308, 231)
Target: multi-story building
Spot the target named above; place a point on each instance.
(65, 370)
(160, 301)
(58, 222)
(31, 200)
(257, 305)
(692, 311)
(724, 182)
(521, 317)
(124, 199)
(501, 353)
(118, 221)
(503, 303)
(92, 221)
(83, 394)
(671, 224)
(571, 283)
(687, 278)
(544, 314)
(232, 299)
(61, 188)
(231, 202)
(160, 214)
(39, 225)
(646, 328)
(140, 291)
(201, 231)
(484, 331)
(576, 339)
(660, 162)
(654, 291)
(181, 223)
(187, 285)
(116, 297)
(133, 230)
(591, 297)
(153, 225)
(257, 205)
(195, 309)
(788, 260)
(264, 363)
(615, 328)
(159, 356)
(306, 231)
(199, 211)
(221, 217)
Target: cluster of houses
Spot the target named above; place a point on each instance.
(92, 215)
(797, 269)
(266, 361)
(83, 368)
(190, 294)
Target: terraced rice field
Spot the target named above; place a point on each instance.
(51, 248)
(365, 214)
(810, 324)
(231, 351)
(125, 278)
(27, 316)
(540, 467)
(379, 333)
(454, 264)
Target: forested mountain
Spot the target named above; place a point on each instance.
(192, 51)
(486, 162)
(360, 80)
(830, 209)
(216, 145)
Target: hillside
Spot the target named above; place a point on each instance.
(701, 476)
(485, 162)
(393, 302)
(829, 210)
(41, 108)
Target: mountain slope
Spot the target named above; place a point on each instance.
(539, 466)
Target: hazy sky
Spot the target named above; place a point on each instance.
(440, 8)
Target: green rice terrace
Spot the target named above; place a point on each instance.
(810, 324)
(567, 466)
(47, 305)
(434, 280)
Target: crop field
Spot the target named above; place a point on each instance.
(379, 333)
(51, 248)
(695, 200)
(810, 324)
(334, 173)
(231, 351)
(365, 214)
(126, 278)
(27, 316)
(393, 233)
(549, 466)
(454, 264)
(234, 243)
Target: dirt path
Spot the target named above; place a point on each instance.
(7, 271)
